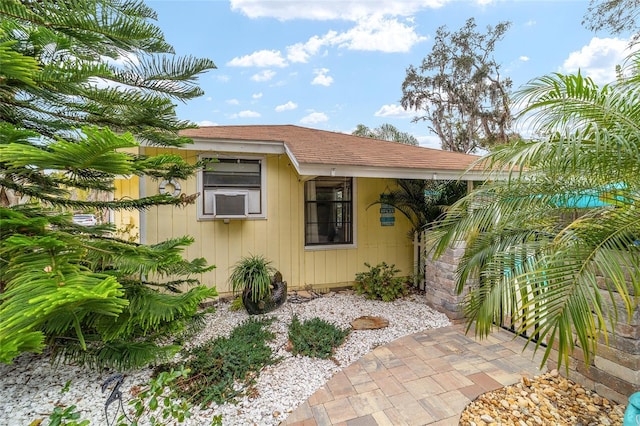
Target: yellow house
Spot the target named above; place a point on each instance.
(300, 197)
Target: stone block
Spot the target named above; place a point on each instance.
(624, 344)
(618, 370)
(608, 380)
(611, 394)
(625, 359)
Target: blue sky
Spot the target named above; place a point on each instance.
(334, 64)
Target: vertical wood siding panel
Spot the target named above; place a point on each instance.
(281, 237)
(332, 273)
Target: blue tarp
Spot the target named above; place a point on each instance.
(591, 198)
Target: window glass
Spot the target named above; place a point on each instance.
(233, 174)
(328, 211)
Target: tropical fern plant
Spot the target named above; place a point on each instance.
(556, 244)
(81, 82)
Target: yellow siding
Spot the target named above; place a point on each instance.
(127, 222)
(374, 243)
(280, 238)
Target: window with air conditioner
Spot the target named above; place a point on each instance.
(232, 188)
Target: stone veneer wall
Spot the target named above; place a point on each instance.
(440, 284)
(614, 373)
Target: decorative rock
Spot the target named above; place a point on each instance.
(487, 418)
(546, 403)
(564, 385)
(30, 387)
(369, 323)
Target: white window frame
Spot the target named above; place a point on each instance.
(354, 222)
(263, 186)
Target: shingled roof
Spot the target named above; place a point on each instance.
(321, 152)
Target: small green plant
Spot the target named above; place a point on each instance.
(252, 274)
(66, 416)
(236, 304)
(66, 387)
(380, 282)
(220, 364)
(315, 337)
(159, 393)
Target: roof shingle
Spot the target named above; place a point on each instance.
(321, 147)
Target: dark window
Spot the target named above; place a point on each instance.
(328, 211)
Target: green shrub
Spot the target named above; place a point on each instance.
(380, 282)
(315, 337)
(220, 363)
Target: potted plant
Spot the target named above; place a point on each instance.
(261, 285)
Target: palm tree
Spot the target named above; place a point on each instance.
(557, 243)
(422, 201)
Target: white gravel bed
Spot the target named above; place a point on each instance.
(30, 388)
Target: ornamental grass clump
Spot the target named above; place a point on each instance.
(315, 337)
(252, 275)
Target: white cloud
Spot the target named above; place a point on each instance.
(222, 78)
(261, 58)
(327, 10)
(393, 110)
(209, 99)
(265, 75)
(524, 58)
(598, 59)
(126, 59)
(429, 141)
(300, 52)
(232, 102)
(374, 33)
(206, 123)
(245, 114)
(286, 107)
(530, 23)
(321, 78)
(378, 33)
(257, 95)
(314, 118)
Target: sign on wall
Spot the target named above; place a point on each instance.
(387, 213)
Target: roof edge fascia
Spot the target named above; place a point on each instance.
(235, 145)
(387, 172)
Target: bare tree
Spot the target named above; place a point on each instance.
(459, 91)
(387, 132)
(617, 16)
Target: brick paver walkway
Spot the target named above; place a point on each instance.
(426, 378)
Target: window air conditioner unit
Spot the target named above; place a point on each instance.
(230, 204)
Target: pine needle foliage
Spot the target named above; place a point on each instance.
(82, 84)
(218, 366)
(315, 337)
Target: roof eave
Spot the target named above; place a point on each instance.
(235, 145)
(387, 172)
